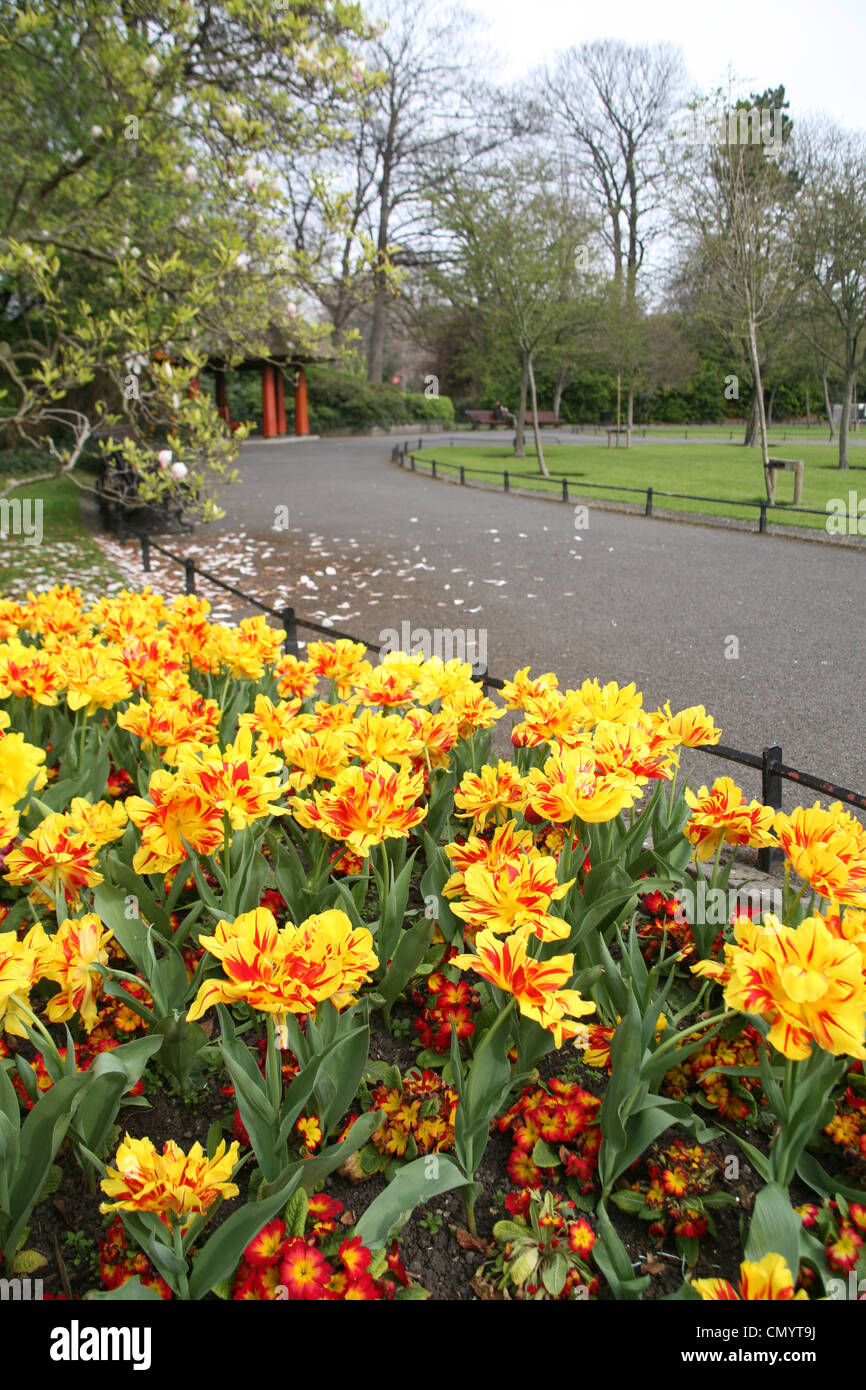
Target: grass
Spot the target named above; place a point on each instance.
(66, 553)
(718, 470)
(730, 430)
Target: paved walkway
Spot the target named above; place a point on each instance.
(665, 604)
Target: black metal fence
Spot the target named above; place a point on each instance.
(558, 483)
(769, 764)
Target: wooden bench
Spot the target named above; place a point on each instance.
(795, 466)
(546, 419)
(489, 418)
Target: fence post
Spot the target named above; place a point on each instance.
(771, 795)
(565, 489)
(433, 468)
(762, 524)
(505, 480)
(290, 641)
(145, 553)
(411, 463)
(462, 476)
(189, 567)
(420, 443)
(649, 502)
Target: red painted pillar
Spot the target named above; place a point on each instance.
(281, 401)
(302, 419)
(194, 386)
(269, 403)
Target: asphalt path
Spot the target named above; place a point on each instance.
(766, 631)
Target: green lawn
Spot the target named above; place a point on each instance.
(705, 469)
(727, 429)
(64, 554)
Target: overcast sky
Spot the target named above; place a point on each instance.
(817, 50)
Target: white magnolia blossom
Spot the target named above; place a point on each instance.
(164, 458)
(96, 131)
(179, 470)
(233, 112)
(307, 52)
(242, 260)
(151, 65)
(190, 173)
(253, 177)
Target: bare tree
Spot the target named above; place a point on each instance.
(832, 248)
(613, 105)
(428, 120)
(735, 203)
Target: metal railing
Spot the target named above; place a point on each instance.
(769, 764)
(560, 483)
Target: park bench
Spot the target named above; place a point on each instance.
(490, 418)
(546, 419)
(795, 466)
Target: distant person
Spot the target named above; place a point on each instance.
(500, 413)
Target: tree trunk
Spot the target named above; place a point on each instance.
(808, 409)
(538, 449)
(376, 349)
(856, 424)
(845, 422)
(751, 437)
(770, 409)
(558, 388)
(759, 397)
(629, 419)
(520, 429)
(827, 406)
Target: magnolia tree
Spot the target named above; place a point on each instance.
(141, 216)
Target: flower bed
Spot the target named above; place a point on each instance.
(304, 998)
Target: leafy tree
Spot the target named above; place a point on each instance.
(735, 205)
(515, 264)
(139, 222)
